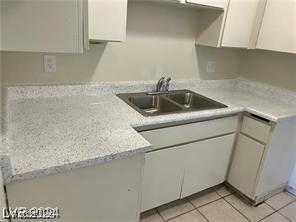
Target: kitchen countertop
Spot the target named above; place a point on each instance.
(50, 134)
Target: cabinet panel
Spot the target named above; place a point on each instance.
(239, 23)
(190, 132)
(103, 192)
(211, 3)
(245, 165)
(206, 163)
(42, 26)
(107, 20)
(278, 29)
(163, 175)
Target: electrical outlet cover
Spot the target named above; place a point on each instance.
(211, 66)
(49, 63)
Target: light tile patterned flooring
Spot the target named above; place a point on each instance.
(219, 204)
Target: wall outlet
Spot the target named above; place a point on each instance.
(211, 66)
(49, 62)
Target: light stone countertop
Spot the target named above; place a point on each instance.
(46, 135)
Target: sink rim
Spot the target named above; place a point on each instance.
(126, 98)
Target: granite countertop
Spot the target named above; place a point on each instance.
(46, 135)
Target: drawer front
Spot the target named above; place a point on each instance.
(171, 136)
(256, 129)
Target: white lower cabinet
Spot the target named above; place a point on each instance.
(176, 172)
(163, 175)
(206, 163)
(103, 192)
(245, 165)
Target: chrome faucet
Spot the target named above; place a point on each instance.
(162, 86)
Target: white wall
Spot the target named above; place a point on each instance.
(274, 68)
(160, 40)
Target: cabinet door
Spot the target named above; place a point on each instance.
(239, 23)
(245, 165)
(211, 3)
(107, 20)
(42, 26)
(206, 163)
(163, 175)
(278, 29)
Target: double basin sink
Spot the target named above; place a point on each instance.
(177, 101)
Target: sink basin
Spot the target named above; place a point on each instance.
(193, 101)
(153, 104)
(172, 102)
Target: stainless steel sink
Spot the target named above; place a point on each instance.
(193, 101)
(153, 104)
(176, 101)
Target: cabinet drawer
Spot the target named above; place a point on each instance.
(255, 129)
(190, 132)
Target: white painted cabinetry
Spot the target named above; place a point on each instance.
(278, 28)
(64, 26)
(107, 20)
(264, 157)
(220, 4)
(184, 165)
(42, 26)
(104, 192)
(245, 165)
(239, 23)
(163, 175)
(206, 163)
(232, 27)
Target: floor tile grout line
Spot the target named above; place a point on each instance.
(237, 210)
(282, 206)
(204, 216)
(284, 216)
(278, 211)
(199, 210)
(290, 192)
(157, 211)
(204, 204)
(179, 215)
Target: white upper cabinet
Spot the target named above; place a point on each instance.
(278, 28)
(64, 26)
(239, 23)
(230, 28)
(222, 4)
(42, 26)
(107, 20)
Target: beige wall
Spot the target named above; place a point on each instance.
(160, 41)
(274, 68)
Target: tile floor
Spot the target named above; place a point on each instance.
(219, 204)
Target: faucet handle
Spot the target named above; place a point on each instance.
(167, 83)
